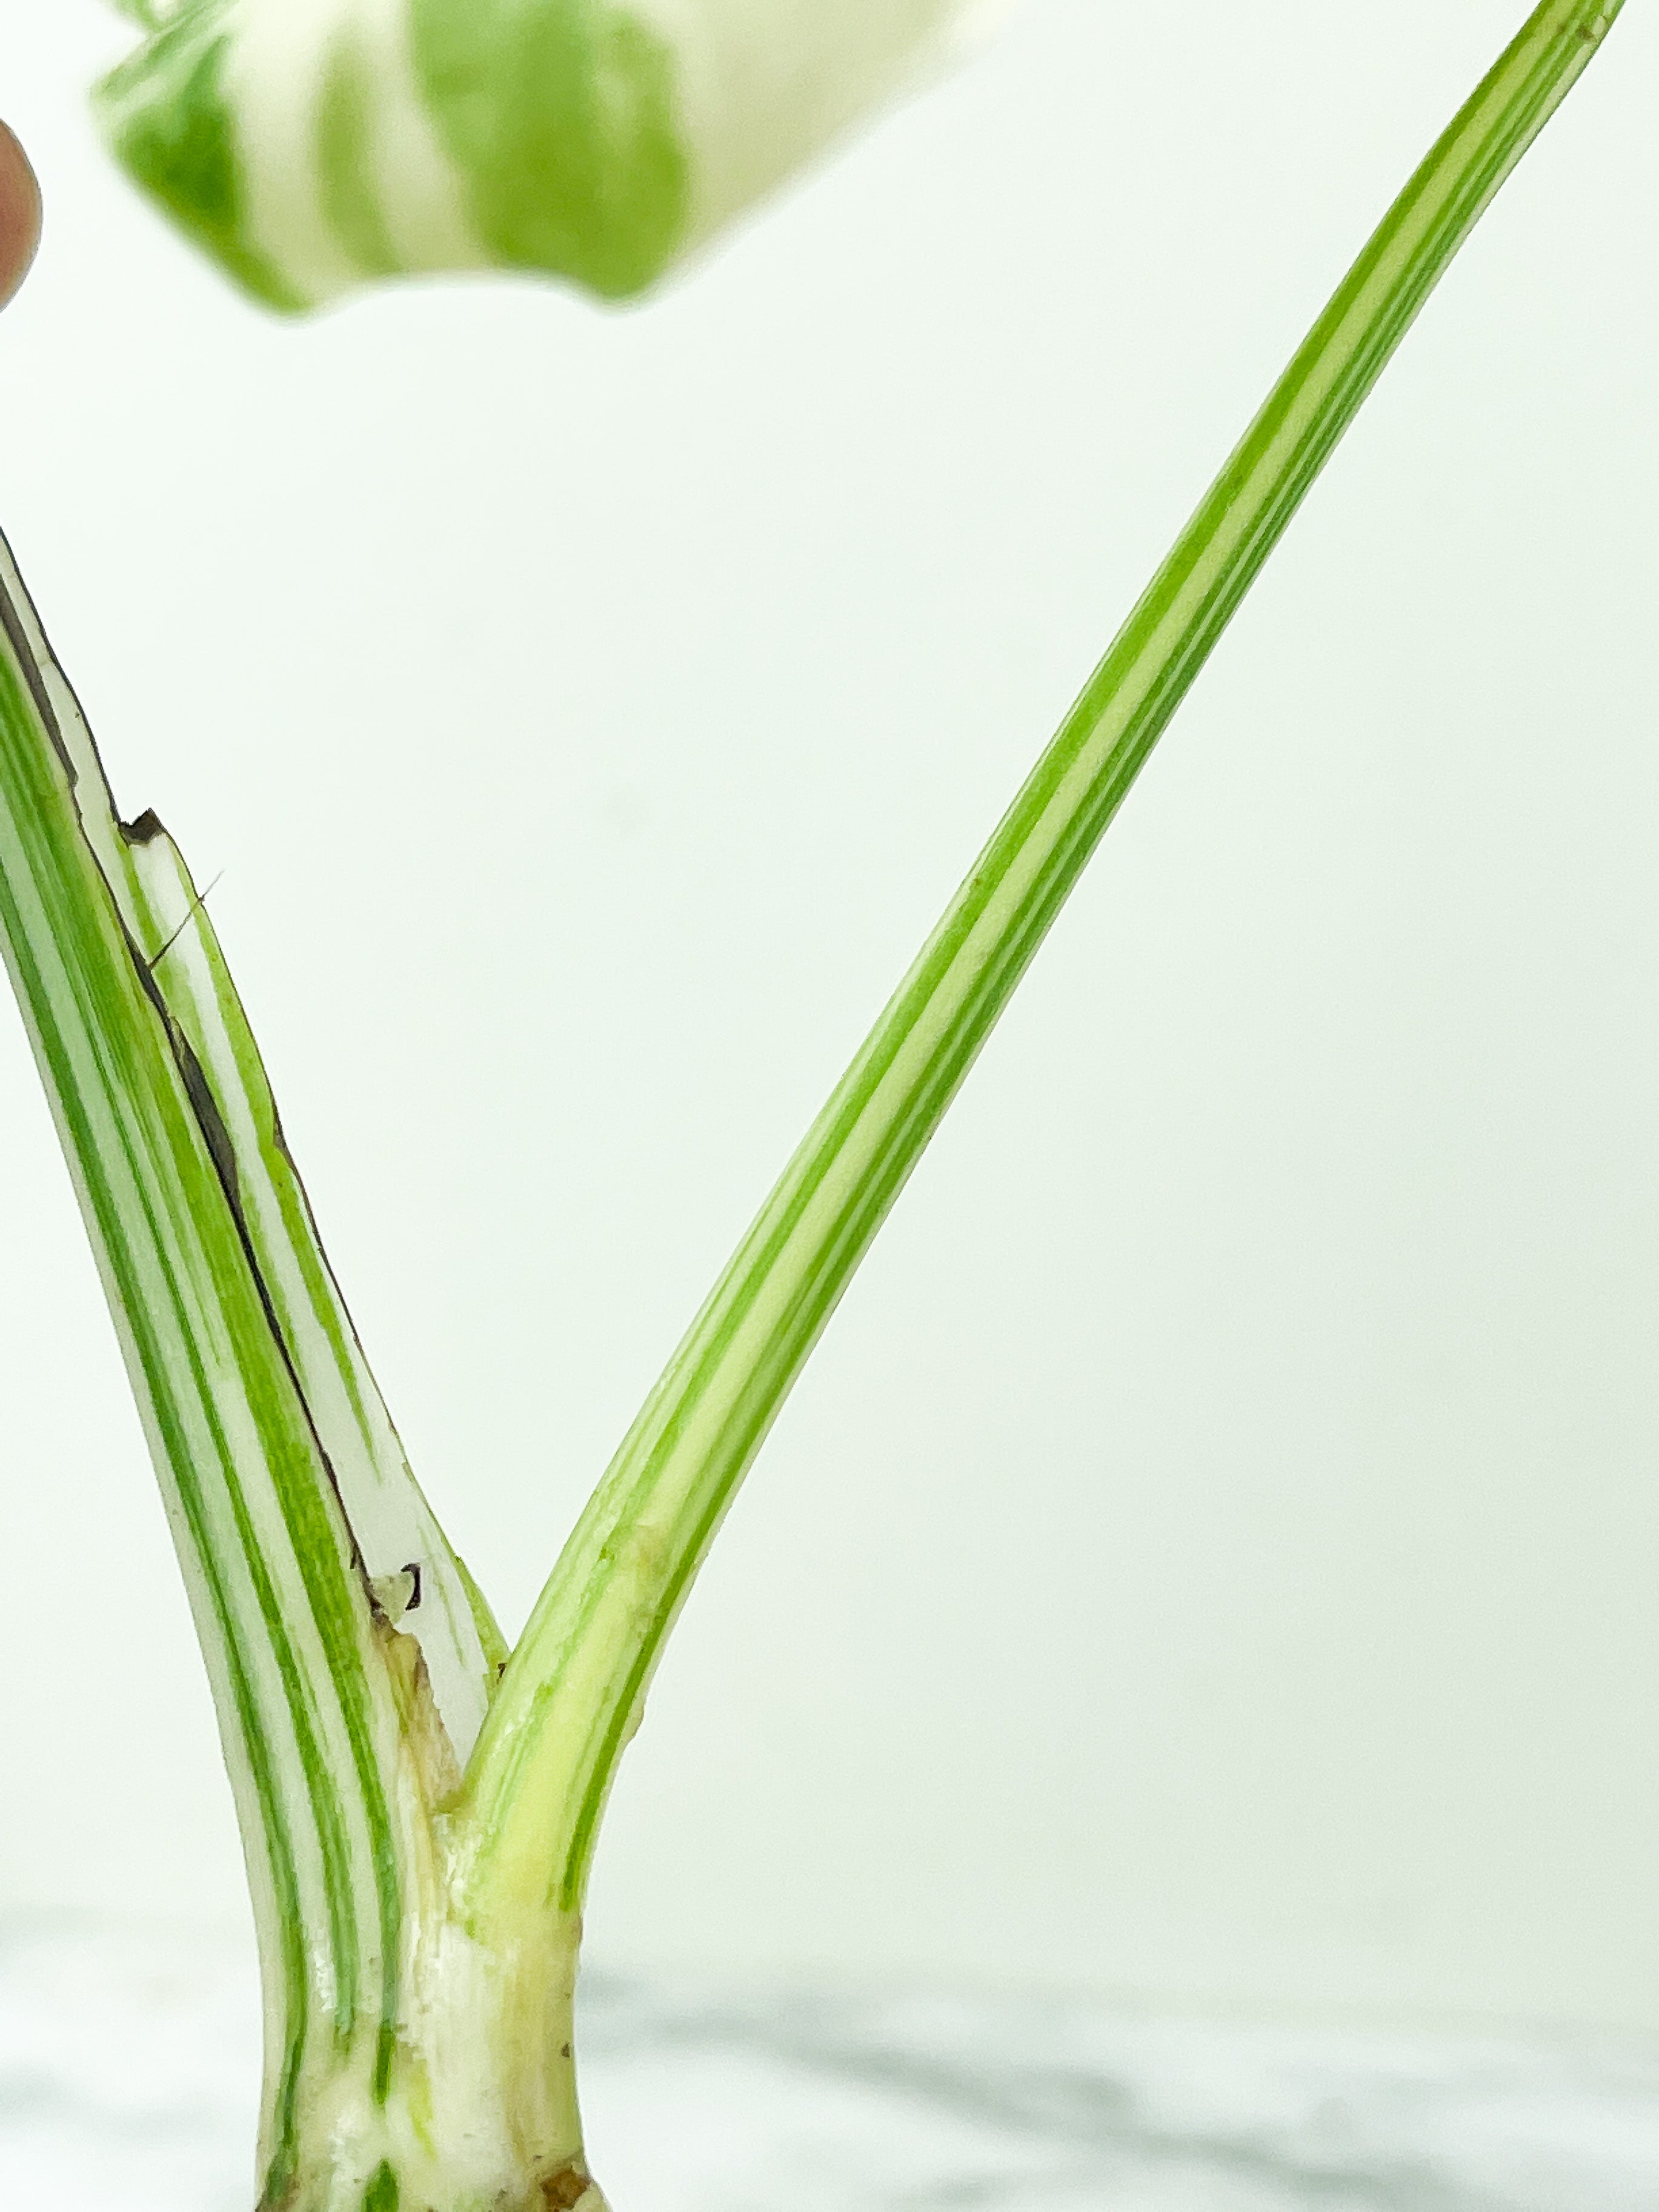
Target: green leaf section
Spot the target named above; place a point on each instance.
(574, 1690)
(325, 1596)
(170, 123)
(560, 117)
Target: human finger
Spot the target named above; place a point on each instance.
(20, 215)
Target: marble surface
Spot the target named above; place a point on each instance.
(128, 2058)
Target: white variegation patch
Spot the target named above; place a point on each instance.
(765, 85)
(281, 55)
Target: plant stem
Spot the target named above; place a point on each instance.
(574, 1690)
(345, 1706)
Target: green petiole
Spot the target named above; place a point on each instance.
(573, 1691)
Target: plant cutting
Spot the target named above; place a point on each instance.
(419, 1806)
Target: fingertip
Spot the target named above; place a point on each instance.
(20, 215)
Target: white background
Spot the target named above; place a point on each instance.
(1213, 1553)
